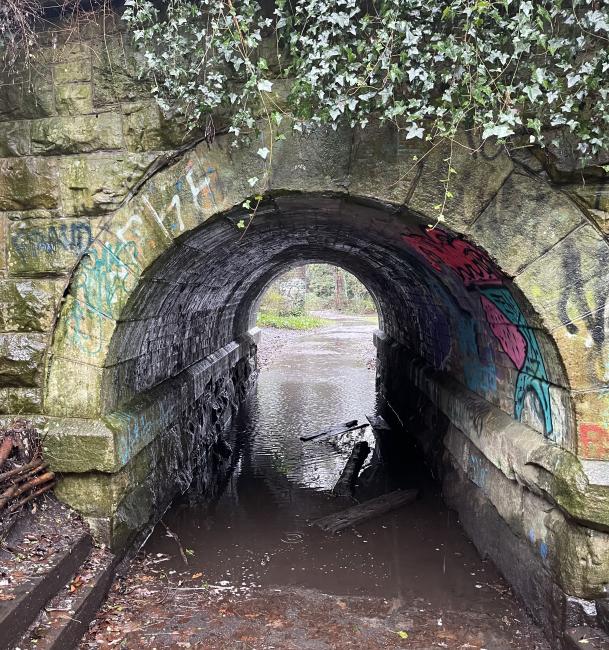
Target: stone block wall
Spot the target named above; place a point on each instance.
(77, 133)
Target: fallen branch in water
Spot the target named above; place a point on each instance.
(336, 430)
(177, 539)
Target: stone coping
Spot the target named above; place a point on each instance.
(579, 488)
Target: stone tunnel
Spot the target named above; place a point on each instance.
(131, 273)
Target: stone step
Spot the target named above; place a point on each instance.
(585, 638)
(67, 616)
(29, 584)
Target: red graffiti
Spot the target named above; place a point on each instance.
(511, 340)
(594, 440)
(439, 248)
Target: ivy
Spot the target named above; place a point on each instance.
(503, 69)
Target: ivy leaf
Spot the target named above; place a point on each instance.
(498, 130)
(264, 85)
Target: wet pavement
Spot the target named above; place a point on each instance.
(259, 576)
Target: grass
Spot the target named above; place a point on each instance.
(291, 322)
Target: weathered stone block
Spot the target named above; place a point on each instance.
(384, 164)
(14, 139)
(43, 246)
(314, 162)
(73, 389)
(78, 134)
(59, 47)
(74, 98)
(27, 183)
(21, 357)
(28, 305)
(79, 445)
(594, 193)
(115, 77)
(568, 288)
(28, 95)
(210, 179)
(99, 494)
(94, 183)
(72, 70)
(601, 219)
(144, 128)
(3, 240)
(18, 401)
(592, 409)
(480, 170)
(524, 221)
(83, 334)
(102, 281)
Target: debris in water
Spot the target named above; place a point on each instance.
(363, 511)
(335, 430)
(346, 483)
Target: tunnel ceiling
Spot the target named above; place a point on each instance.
(437, 295)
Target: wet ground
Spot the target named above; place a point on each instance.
(259, 576)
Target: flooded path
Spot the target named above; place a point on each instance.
(258, 576)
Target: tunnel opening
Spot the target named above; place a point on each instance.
(255, 531)
(462, 361)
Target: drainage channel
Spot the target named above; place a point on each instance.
(248, 570)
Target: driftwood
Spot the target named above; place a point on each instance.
(336, 430)
(25, 475)
(364, 511)
(6, 448)
(346, 483)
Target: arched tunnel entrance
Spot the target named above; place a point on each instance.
(156, 347)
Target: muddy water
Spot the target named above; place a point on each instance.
(257, 533)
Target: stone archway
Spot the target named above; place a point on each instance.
(487, 316)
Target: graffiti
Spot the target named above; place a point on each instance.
(504, 317)
(477, 470)
(594, 440)
(72, 237)
(204, 193)
(441, 249)
(522, 348)
(591, 307)
(102, 281)
(543, 547)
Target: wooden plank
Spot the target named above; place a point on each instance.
(378, 423)
(335, 430)
(363, 511)
(346, 483)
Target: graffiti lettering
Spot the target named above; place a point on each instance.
(594, 440)
(441, 249)
(100, 283)
(74, 237)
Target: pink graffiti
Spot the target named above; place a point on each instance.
(439, 248)
(508, 335)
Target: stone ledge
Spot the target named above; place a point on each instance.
(518, 451)
(108, 444)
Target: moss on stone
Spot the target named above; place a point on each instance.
(28, 183)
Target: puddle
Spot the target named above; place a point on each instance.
(257, 533)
